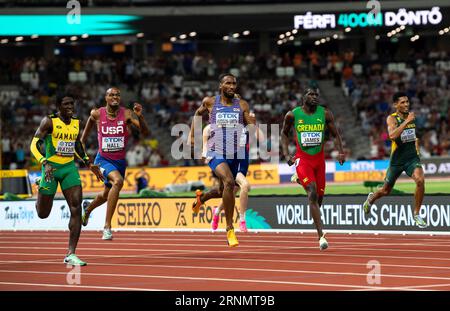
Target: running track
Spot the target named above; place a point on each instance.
(200, 261)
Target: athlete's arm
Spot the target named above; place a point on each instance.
(393, 130)
(287, 125)
(417, 146)
(43, 130)
(92, 120)
(136, 118)
(81, 153)
(329, 118)
(206, 134)
(248, 119)
(204, 108)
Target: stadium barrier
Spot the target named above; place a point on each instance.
(159, 178)
(393, 214)
(15, 182)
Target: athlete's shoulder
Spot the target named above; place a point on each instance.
(75, 118)
(52, 116)
(208, 101)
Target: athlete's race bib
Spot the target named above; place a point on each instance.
(112, 144)
(309, 139)
(227, 119)
(65, 148)
(408, 135)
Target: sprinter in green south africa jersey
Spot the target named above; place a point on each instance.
(404, 156)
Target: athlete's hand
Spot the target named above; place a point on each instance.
(96, 170)
(48, 172)
(411, 117)
(291, 161)
(341, 158)
(137, 109)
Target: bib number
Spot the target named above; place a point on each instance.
(310, 139)
(65, 148)
(113, 144)
(408, 135)
(227, 119)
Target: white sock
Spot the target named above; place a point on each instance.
(217, 212)
(242, 216)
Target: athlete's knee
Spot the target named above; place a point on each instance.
(229, 183)
(312, 196)
(420, 182)
(42, 213)
(117, 183)
(386, 190)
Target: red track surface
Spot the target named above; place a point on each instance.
(202, 261)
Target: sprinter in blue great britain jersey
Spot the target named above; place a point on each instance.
(228, 117)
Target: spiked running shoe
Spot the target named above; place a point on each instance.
(366, 204)
(231, 237)
(197, 204)
(243, 226)
(107, 234)
(323, 243)
(73, 260)
(420, 222)
(215, 221)
(84, 218)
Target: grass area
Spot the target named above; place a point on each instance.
(431, 186)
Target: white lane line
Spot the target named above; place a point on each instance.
(190, 268)
(263, 248)
(84, 241)
(80, 286)
(326, 254)
(203, 279)
(238, 260)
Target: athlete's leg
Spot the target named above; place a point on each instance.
(382, 192)
(224, 173)
(418, 177)
(243, 200)
(311, 191)
(116, 179)
(44, 204)
(101, 198)
(73, 197)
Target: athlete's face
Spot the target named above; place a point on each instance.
(311, 98)
(402, 105)
(113, 97)
(67, 107)
(228, 86)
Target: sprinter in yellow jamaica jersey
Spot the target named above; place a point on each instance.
(404, 156)
(59, 135)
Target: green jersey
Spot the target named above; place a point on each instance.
(310, 130)
(404, 147)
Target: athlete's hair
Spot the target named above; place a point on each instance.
(60, 97)
(112, 87)
(310, 89)
(223, 75)
(397, 96)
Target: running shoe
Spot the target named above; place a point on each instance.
(215, 221)
(73, 260)
(107, 234)
(323, 243)
(243, 226)
(84, 219)
(231, 237)
(197, 204)
(420, 222)
(294, 178)
(366, 204)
